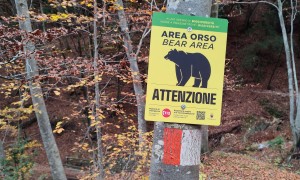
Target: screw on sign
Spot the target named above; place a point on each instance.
(166, 112)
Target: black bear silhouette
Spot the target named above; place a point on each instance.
(190, 64)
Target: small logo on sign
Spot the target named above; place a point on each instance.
(183, 107)
(166, 113)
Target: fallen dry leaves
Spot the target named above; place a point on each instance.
(221, 165)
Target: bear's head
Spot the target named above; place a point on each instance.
(173, 53)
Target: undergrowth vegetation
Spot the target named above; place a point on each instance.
(18, 160)
(265, 48)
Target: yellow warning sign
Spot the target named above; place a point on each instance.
(186, 69)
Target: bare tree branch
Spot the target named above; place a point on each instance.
(16, 57)
(145, 33)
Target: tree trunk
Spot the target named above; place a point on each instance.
(137, 83)
(2, 157)
(182, 134)
(41, 113)
(42, 12)
(204, 140)
(204, 129)
(297, 118)
(294, 128)
(97, 98)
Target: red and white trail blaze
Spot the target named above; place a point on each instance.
(181, 147)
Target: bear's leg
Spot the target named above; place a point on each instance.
(197, 82)
(204, 83)
(178, 75)
(185, 77)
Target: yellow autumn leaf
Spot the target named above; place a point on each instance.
(59, 130)
(98, 78)
(85, 145)
(54, 17)
(32, 144)
(64, 15)
(57, 93)
(17, 103)
(145, 177)
(59, 123)
(101, 116)
(94, 123)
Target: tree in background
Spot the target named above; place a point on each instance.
(288, 41)
(294, 93)
(41, 113)
(132, 58)
(75, 62)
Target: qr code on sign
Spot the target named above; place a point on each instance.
(200, 115)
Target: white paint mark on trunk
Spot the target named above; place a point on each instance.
(190, 151)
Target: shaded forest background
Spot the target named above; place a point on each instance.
(255, 122)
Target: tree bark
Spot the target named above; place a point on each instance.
(297, 118)
(41, 113)
(42, 12)
(191, 133)
(204, 128)
(97, 97)
(291, 81)
(2, 157)
(137, 83)
(204, 140)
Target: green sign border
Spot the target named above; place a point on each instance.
(194, 22)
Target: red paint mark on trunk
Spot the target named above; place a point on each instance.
(172, 146)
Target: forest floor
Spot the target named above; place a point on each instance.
(252, 142)
(223, 166)
(252, 117)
